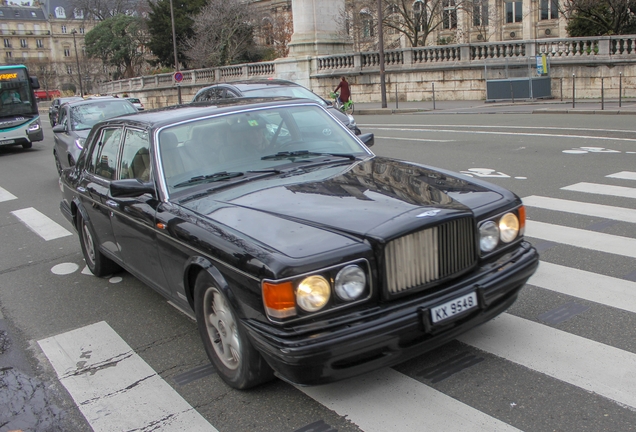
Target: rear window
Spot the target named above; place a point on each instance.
(134, 100)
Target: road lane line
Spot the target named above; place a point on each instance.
(602, 189)
(5, 195)
(588, 209)
(590, 365)
(114, 388)
(625, 175)
(413, 139)
(473, 132)
(605, 290)
(582, 238)
(41, 224)
(387, 400)
(472, 127)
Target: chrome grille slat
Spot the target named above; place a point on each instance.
(420, 258)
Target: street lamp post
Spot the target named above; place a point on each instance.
(174, 47)
(79, 73)
(381, 46)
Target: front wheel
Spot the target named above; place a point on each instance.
(349, 108)
(97, 262)
(27, 145)
(224, 339)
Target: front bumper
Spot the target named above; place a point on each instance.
(393, 333)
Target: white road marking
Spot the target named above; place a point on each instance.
(414, 139)
(6, 195)
(41, 224)
(387, 400)
(114, 388)
(557, 128)
(582, 238)
(64, 269)
(625, 175)
(605, 290)
(590, 365)
(472, 132)
(602, 189)
(582, 208)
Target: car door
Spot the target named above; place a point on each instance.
(63, 139)
(133, 219)
(94, 184)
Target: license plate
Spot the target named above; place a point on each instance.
(7, 142)
(453, 307)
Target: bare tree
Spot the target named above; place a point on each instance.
(223, 34)
(275, 32)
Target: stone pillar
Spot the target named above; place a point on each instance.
(318, 28)
(317, 31)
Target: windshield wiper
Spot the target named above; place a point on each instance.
(222, 175)
(286, 154)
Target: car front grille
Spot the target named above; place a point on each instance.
(421, 258)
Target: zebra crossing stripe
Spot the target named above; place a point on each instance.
(41, 224)
(590, 365)
(625, 175)
(602, 189)
(114, 388)
(597, 210)
(605, 290)
(387, 400)
(582, 238)
(6, 195)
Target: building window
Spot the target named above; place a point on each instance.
(7, 43)
(69, 69)
(34, 15)
(24, 55)
(513, 12)
(78, 13)
(480, 13)
(23, 43)
(8, 54)
(81, 30)
(367, 24)
(67, 51)
(549, 9)
(449, 17)
(63, 29)
(38, 43)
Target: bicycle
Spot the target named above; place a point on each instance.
(347, 107)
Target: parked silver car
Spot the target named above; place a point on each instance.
(75, 120)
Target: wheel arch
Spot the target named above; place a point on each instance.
(198, 264)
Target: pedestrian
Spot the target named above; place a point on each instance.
(345, 93)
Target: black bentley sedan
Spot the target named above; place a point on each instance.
(301, 253)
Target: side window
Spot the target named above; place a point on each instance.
(135, 160)
(104, 157)
(229, 94)
(61, 116)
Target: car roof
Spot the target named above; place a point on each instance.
(256, 83)
(161, 117)
(91, 101)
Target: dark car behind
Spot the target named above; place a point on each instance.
(261, 88)
(55, 107)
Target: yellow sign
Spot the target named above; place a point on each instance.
(8, 76)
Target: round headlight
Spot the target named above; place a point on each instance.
(488, 236)
(313, 293)
(350, 283)
(508, 227)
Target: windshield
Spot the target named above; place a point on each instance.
(16, 96)
(235, 146)
(285, 91)
(84, 116)
(133, 100)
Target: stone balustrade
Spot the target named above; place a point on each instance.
(457, 70)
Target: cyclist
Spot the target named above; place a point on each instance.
(345, 93)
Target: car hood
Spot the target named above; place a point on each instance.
(377, 198)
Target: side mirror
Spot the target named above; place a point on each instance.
(131, 188)
(367, 138)
(34, 82)
(59, 128)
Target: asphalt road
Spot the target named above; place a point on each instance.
(561, 359)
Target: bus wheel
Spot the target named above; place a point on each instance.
(27, 145)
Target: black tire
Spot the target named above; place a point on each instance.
(225, 340)
(27, 145)
(51, 121)
(97, 262)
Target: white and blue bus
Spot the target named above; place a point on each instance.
(19, 115)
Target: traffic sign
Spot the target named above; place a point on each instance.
(178, 77)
